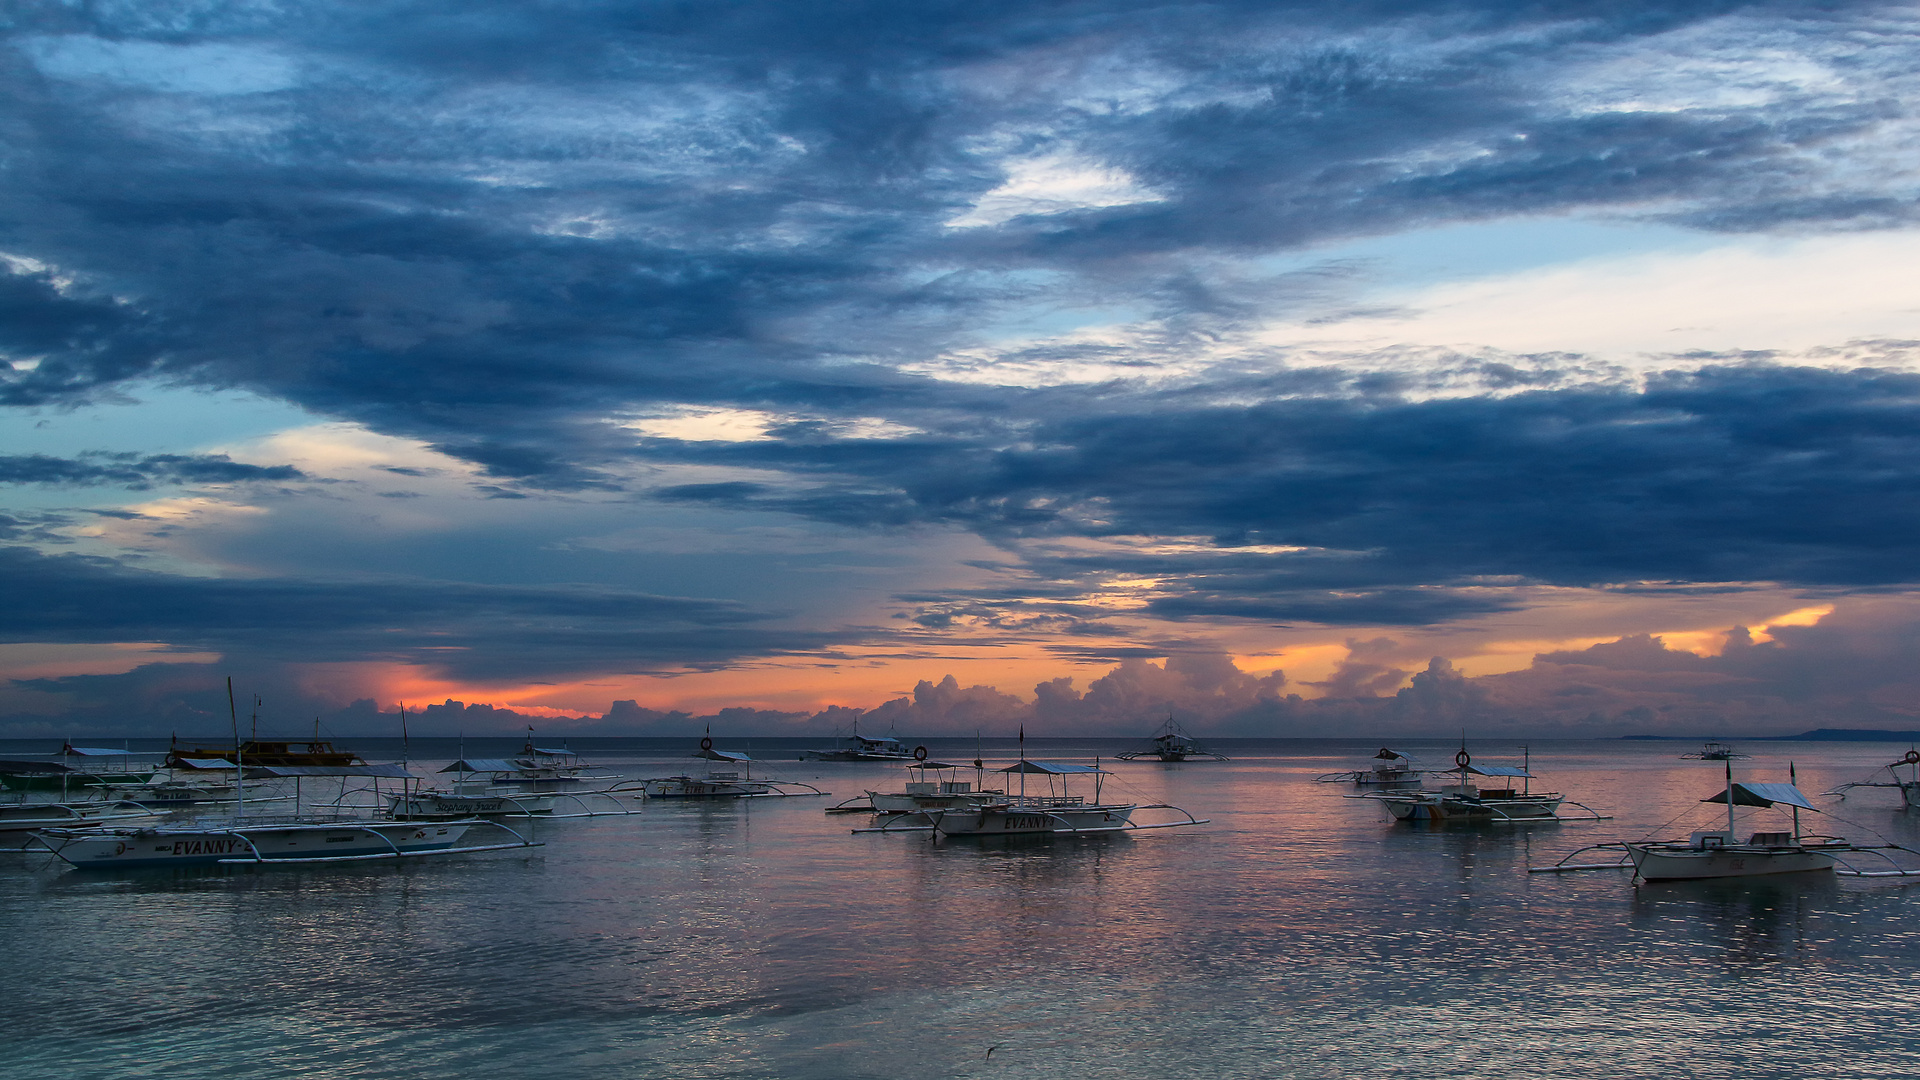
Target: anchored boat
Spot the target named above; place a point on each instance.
(722, 782)
(1715, 751)
(1908, 785)
(1467, 801)
(1056, 813)
(1391, 771)
(1718, 853)
(857, 747)
(1172, 743)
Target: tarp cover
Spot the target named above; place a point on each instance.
(1764, 795)
(563, 752)
(484, 764)
(93, 751)
(932, 765)
(202, 763)
(722, 755)
(1051, 768)
(390, 772)
(1499, 770)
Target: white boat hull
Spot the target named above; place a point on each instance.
(429, 805)
(686, 787)
(1673, 863)
(1426, 807)
(1008, 820)
(128, 848)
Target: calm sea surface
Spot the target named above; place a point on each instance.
(1298, 935)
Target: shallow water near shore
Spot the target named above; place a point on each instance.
(1298, 934)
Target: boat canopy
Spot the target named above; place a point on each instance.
(94, 751)
(1051, 768)
(550, 753)
(1500, 770)
(934, 765)
(722, 755)
(390, 772)
(484, 764)
(1764, 795)
(203, 763)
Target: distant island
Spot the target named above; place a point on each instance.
(1825, 734)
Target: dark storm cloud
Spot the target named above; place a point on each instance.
(136, 472)
(1736, 473)
(471, 631)
(481, 224)
(496, 227)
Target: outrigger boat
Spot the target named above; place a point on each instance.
(97, 767)
(1908, 786)
(1715, 853)
(723, 783)
(1465, 801)
(923, 793)
(857, 747)
(1715, 751)
(1392, 770)
(330, 837)
(19, 819)
(1057, 813)
(1171, 743)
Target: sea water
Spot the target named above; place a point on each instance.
(1297, 934)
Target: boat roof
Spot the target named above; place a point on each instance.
(484, 764)
(1499, 770)
(94, 751)
(391, 772)
(1050, 768)
(562, 752)
(722, 755)
(933, 765)
(203, 763)
(1764, 795)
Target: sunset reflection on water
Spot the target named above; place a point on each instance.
(1297, 934)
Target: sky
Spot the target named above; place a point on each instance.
(636, 368)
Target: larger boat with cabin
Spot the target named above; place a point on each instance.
(857, 747)
(1171, 744)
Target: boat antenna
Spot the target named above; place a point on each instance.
(1526, 766)
(1023, 763)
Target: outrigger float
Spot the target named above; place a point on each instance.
(1057, 813)
(1464, 801)
(1908, 786)
(1713, 854)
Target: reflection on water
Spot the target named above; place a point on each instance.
(1300, 934)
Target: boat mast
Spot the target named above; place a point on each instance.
(1793, 777)
(239, 770)
(1729, 800)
